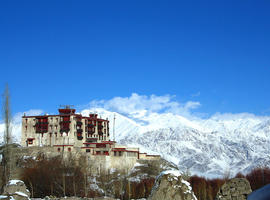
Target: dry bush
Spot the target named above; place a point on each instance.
(53, 177)
(205, 189)
(259, 177)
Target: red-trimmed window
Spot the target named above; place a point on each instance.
(58, 149)
(30, 141)
(69, 149)
(100, 145)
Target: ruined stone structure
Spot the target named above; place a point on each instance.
(69, 132)
(236, 188)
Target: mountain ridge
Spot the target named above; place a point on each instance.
(209, 147)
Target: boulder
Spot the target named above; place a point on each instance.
(15, 189)
(234, 189)
(170, 185)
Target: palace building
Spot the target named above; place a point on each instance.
(66, 128)
(72, 132)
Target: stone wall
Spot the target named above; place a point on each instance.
(234, 189)
(95, 163)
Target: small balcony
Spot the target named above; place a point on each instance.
(64, 122)
(79, 130)
(41, 123)
(79, 137)
(64, 130)
(100, 126)
(90, 132)
(100, 132)
(79, 123)
(41, 130)
(90, 125)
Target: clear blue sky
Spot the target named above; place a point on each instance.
(72, 52)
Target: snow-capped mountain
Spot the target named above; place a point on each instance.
(209, 147)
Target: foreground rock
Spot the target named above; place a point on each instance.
(236, 188)
(171, 186)
(138, 182)
(15, 189)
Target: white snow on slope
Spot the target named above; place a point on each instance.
(210, 147)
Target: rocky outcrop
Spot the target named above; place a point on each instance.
(170, 185)
(15, 189)
(236, 188)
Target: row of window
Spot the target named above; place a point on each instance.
(59, 149)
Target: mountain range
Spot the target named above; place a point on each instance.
(221, 145)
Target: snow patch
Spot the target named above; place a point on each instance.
(14, 182)
(173, 172)
(21, 194)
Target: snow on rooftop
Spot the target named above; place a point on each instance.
(14, 182)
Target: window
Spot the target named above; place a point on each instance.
(120, 153)
(58, 149)
(87, 150)
(69, 149)
(30, 141)
(100, 145)
(26, 120)
(114, 153)
(26, 128)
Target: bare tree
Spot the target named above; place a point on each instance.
(7, 137)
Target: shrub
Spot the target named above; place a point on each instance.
(47, 177)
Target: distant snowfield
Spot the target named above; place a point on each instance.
(209, 147)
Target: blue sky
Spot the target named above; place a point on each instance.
(216, 53)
